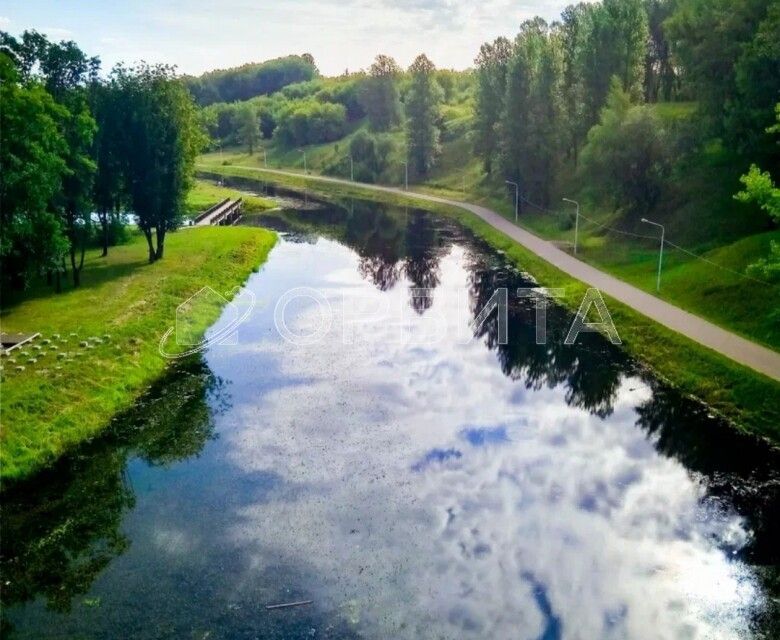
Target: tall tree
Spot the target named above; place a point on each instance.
(660, 75)
(616, 45)
(492, 63)
(108, 190)
(574, 29)
(423, 103)
(380, 94)
(162, 139)
(32, 167)
(249, 126)
(533, 116)
(66, 72)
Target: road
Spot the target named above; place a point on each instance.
(729, 344)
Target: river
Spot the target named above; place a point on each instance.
(392, 464)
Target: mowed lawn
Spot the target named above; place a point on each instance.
(99, 345)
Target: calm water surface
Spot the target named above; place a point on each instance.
(410, 483)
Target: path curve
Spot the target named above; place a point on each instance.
(729, 344)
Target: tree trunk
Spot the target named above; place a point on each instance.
(48, 277)
(58, 282)
(152, 253)
(160, 242)
(104, 224)
(76, 269)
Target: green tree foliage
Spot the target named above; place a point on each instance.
(660, 80)
(627, 154)
(379, 95)
(491, 63)
(574, 30)
(109, 193)
(249, 126)
(250, 80)
(65, 72)
(32, 169)
(423, 104)
(76, 201)
(760, 189)
(308, 121)
(729, 51)
(161, 141)
(615, 45)
(370, 154)
(533, 110)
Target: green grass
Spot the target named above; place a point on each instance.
(72, 392)
(746, 398)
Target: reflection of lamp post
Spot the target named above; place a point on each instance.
(406, 175)
(351, 169)
(660, 254)
(517, 194)
(576, 222)
(303, 151)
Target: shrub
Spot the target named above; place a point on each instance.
(310, 122)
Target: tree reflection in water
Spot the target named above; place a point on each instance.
(62, 528)
(735, 469)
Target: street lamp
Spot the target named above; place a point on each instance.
(265, 158)
(406, 175)
(517, 195)
(576, 222)
(303, 151)
(660, 254)
(351, 169)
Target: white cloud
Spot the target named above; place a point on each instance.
(577, 511)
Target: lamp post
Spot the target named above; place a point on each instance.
(303, 151)
(351, 169)
(576, 222)
(265, 158)
(406, 175)
(661, 252)
(517, 195)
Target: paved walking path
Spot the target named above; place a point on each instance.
(705, 333)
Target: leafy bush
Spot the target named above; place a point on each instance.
(310, 122)
(627, 153)
(371, 155)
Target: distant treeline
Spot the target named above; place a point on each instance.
(250, 80)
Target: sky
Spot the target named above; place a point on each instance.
(200, 35)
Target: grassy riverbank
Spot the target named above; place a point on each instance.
(99, 344)
(743, 396)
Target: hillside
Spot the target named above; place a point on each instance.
(697, 209)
